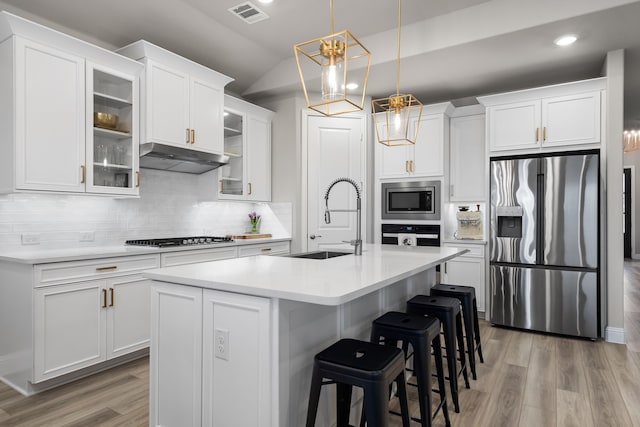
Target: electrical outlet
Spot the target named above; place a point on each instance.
(87, 236)
(30, 239)
(221, 344)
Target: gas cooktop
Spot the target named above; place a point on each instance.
(179, 241)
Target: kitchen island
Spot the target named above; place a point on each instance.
(232, 341)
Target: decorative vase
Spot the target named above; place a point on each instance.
(255, 226)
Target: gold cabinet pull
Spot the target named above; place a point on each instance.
(544, 133)
(193, 136)
(410, 165)
(137, 178)
(109, 268)
(266, 250)
(111, 297)
(83, 174)
(104, 298)
(188, 136)
(222, 185)
(406, 165)
(249, 187)
(537, 134)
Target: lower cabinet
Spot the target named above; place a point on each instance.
(467, 270)
(207, 375)
(272, 248)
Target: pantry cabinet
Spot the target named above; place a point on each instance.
(247, 142)
(53, 85)
(425, 158)
(182, 101)
(549, 117)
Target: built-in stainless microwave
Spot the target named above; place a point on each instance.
(411, 200)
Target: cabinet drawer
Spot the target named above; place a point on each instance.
(65, 272)
(474, 250)
(276, 248)
(198, 255)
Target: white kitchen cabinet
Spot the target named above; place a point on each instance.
(247, 142)
(227, 332)
(46, 125)
(182, 101)
(467, 270)
(272, 248)
(236, 352)
(426, 157)
(549, 117)
(467, 159)
(112, 152)
(176, 365)
(197, 255)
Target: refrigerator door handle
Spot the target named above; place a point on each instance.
(540, 219)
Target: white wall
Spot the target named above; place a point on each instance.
(170, 205)
(614, 249)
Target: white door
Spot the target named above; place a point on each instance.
(128, 314)
(258, 158)
(572, 119)
(394, 161)
(335, 148)
(206, 116)
(50, 119)
(466, 271)
(515, 125)
(167, 105)
(69, 328)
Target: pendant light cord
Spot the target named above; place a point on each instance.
(398, 65)
(331, 12)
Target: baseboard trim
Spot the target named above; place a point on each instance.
(614, 335)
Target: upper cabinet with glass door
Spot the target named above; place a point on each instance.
(112, 131)
(247, 142)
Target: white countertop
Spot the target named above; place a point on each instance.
(332, 281)
(43, 256)
(464, 241)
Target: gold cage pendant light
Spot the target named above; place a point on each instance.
(340, 83)
(392, 116)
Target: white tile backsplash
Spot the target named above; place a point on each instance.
(169, 205)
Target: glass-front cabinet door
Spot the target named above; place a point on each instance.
(112, 132)
(231, 175)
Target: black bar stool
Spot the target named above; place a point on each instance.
(372, 367)
(421, 332)
(448, 311)
(467, 297)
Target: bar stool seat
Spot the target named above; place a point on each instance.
(422, 332)
(467, 297)
(447, 310)
(372, 367)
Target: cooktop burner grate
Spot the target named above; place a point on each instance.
(179, 241)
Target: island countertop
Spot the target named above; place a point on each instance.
(332, 281)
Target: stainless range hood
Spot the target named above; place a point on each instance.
(177, 159)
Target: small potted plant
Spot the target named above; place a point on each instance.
(254, 219)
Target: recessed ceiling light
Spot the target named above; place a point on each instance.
(565, 40)
(352, 86)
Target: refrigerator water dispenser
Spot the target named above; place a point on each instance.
(509, 221)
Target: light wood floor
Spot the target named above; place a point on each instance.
(528, 379)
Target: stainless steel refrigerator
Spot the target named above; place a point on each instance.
(544, 243)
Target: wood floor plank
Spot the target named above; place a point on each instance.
(531, 416)
(627, 374)
(503, 409)
(519, 349)
(569, 366)
(573, 409)
(607, 406)
(540, 388)
(94, 419)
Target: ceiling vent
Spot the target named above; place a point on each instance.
(248, 12)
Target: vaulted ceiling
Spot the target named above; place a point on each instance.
(451, 49)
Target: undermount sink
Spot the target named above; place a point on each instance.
(320, 254)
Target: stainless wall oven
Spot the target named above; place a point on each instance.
(414, 200)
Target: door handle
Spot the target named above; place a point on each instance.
(104, 298)
(111, 296)
(83, 176)
(544, 133)
(188, 136)
(537, 134)
(193, 136)
(137, 178)
(249, 187)
(313, 236)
